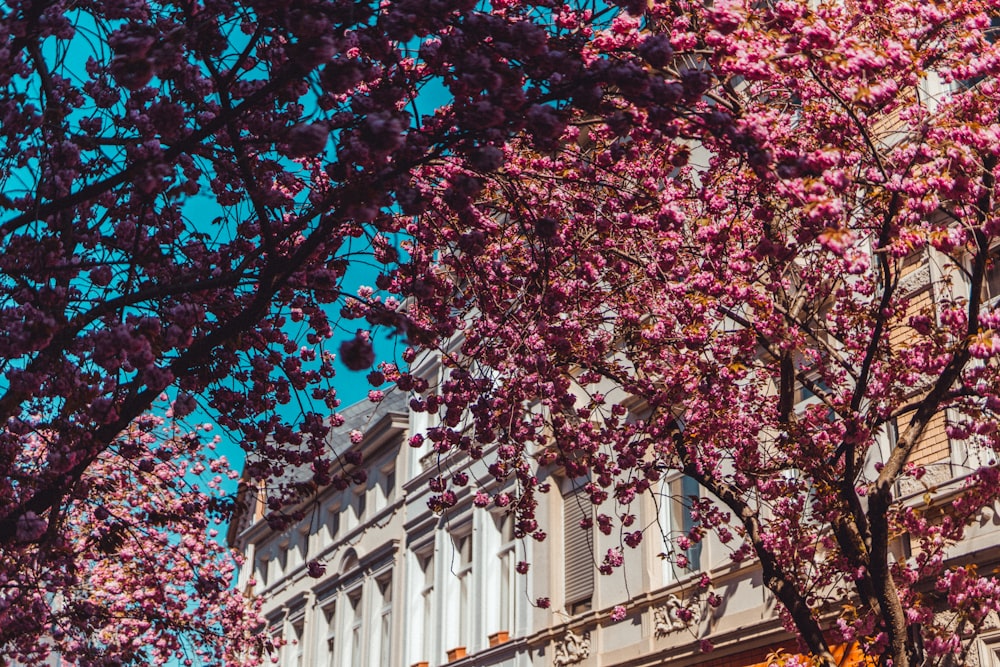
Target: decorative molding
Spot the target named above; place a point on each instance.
(915, 280)
(984, 651)
(972, 658)
(428, 460)
(572, 649)
(987, 515)
(938, 474)
(669, 617)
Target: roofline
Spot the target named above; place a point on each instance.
(375, 438)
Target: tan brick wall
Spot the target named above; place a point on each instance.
(933, 445)
(885, 125)
(900, 332)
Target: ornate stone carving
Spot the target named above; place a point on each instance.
(937, 475)
(972, 657)
(674, 615)
(572, 649)
(915, 280)
(988, 515)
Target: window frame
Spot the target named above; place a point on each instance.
(674, 514)
(578, 554)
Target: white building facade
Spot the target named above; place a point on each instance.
(409, 587)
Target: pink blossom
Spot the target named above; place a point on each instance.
(307, 139)
(357, 353)
(30, 527)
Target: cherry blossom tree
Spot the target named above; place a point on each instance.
(184, 185)
(780, 293)
(655, 225)
(132, 573)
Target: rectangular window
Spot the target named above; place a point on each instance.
(676, 505)
(578, 551)
(428, 370)
(385, 486)
(360, 500)
(332, 527)
(260, 570)
(385, 621)
(275, 567)
(421, 456)
(300, 644)
(976, 450)
(328, 648)
(991, 281)
(390, 484)
(298, 544)
(353, 657)
(992, 34)
(506, 595)
(463, 572)
(423, 624)
(304, 535)
(295, 649)
(282, 556)
(277, 637)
